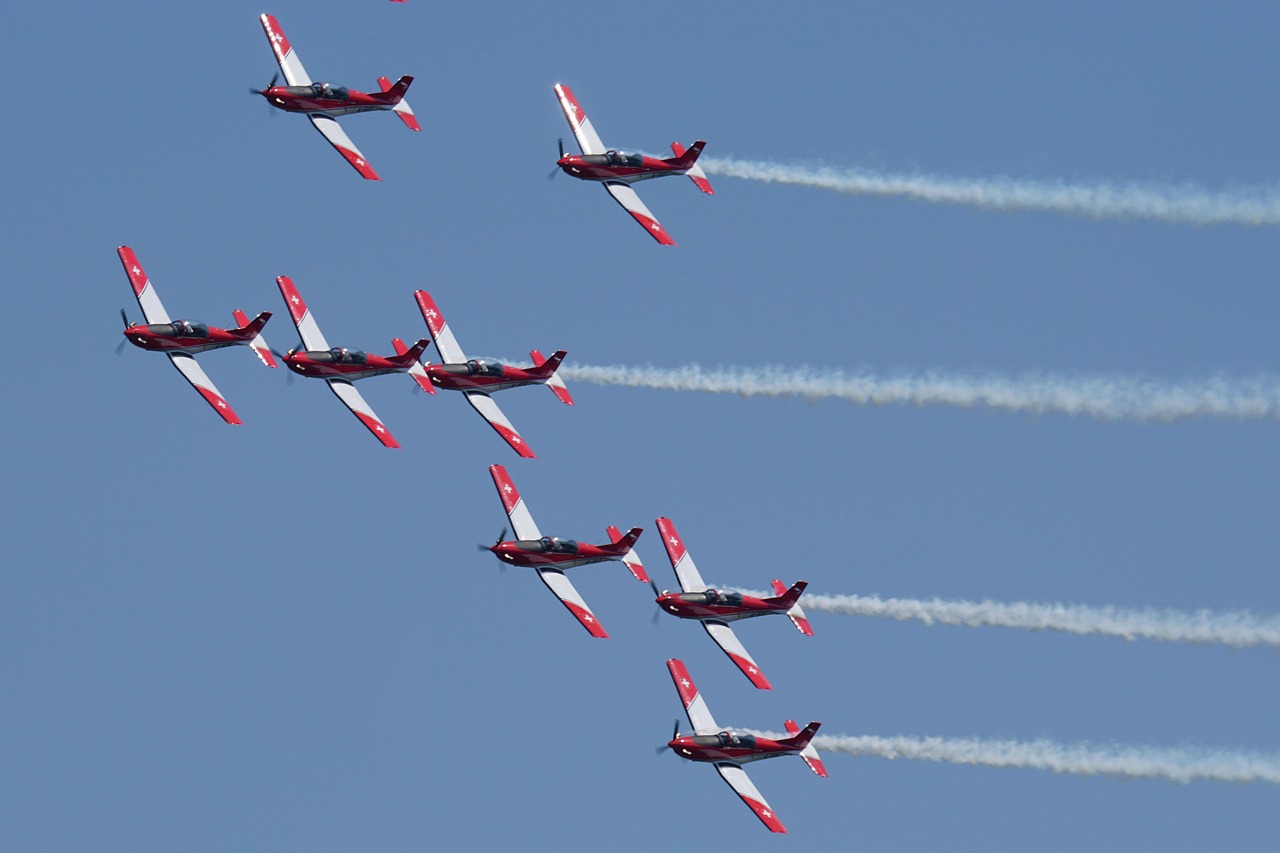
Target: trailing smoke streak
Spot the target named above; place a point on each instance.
(1103, 397)
(1239, 629)
(1103, 200)
(1178, 764)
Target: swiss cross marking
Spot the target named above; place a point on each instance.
(506, 487)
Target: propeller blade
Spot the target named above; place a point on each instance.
(551, 176)
(654, 587)
(658, 750)
(125, 318)
(502, 535)
(675, 729)
(120, 347)
(560, 142)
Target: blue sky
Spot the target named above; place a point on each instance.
(280, 636)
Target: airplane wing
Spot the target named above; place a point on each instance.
(446, 343)
(152, 310)
(569, 597)
(312, 338)
(290, 65)
(489, 410)
(694, 705)
(521, 521)
(332, 131)
(632, 559)
(187, 367)
(728, 641)
(419, 375)
(625, 196)
(588, 140)
(681, 561)
(259, 343)
(740, 782)
(795, 614)
(350, 397)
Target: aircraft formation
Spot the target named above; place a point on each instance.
(477, 380)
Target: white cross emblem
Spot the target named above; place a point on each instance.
(507, 488)
(136, 271)
(654, 226)
(515, 439)
(294, 299)
(587, 617)
(767, 813)
(752, 670)
(359, 162)
(675, 543)
(221, 404)
(685, 682)
(432, 314)
(379, 428)
(277, 37)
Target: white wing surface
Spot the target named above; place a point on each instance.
(489, 410)
(446, 344)
(308, 330)
(569, 597)
(695, 707)
(740, 782)
(148, 300)
(517, 513)
(332, 131)
(729, 643)
(588, 139)
(290, 65)
(625, 196)
(681, 559)
(188, 367)
(350, 397)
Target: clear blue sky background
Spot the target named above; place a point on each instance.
(281, 636)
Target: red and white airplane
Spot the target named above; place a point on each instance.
(728, 750)
(549, 556)
(181, 339)
(323, 102)
(617, 170)
(339, 367)
(477, 378)
(715, 609)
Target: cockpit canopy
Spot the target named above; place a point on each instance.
(181, 328)
(339, 355)
(713, 596)
(556, 545)
(614, 158)
(726, 739)
(330, 92)
(484, 367)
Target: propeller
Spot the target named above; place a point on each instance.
(125, 318)
(271, 85)
(675, 733)
(657, 613)
(501, 537)
(556, 170)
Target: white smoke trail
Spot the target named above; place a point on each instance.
(1239, 628)
(1101, 397)
(1170, 203)
(1174, 764)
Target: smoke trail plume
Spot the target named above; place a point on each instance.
(1104, 200)
(1101, 397)
(1170, 626)
(1174, 764)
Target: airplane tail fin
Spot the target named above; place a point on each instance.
(631, 559)
(252, 332)
(687, 160)
(622, 546)
(415, 369)
(800, 740)
(789, 598)
(547, 367)
(394, 94)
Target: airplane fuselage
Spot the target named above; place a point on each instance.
(538, 553)
(728, 746)
(162, 337)
(593, 167)
(342, 364)
(680, 604)
(303, 99)
(459, 377)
